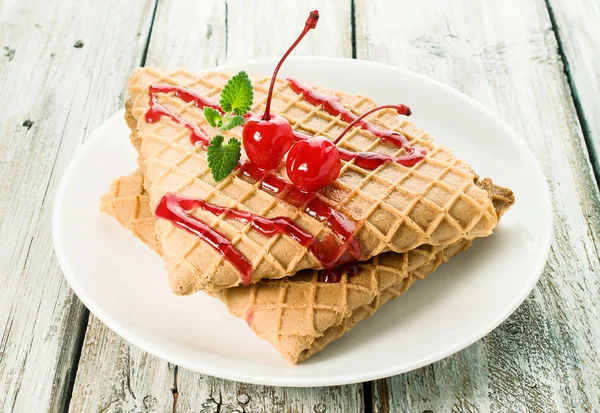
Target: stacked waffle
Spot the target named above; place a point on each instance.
(405, 220)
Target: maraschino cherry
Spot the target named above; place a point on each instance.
(269, 136)
(315, 163)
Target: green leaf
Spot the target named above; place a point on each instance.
(223, 158)
(231, 122)
(237, 94)
(213, 117)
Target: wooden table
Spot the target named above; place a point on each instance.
(63, 71)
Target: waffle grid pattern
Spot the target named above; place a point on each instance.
(127, 202)
(398, 208)
(300, 315)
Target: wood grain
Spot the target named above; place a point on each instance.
(62, 73)
(546, 357)
(576, 23)
(115, 376)
(211, 395)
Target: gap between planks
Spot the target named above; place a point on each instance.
(585, 127)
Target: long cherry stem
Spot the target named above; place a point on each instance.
(401, 109)
(311, 23)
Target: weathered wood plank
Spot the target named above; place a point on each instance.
(266, 28)
(546, 357)
(62, 71)
(579, 37)
(198, 35)
(129, 379)
(198, 392)
(188, 34)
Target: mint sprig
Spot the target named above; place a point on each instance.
(237, 94)
(236, 101)
(223, 158)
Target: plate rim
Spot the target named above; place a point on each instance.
(333, 379)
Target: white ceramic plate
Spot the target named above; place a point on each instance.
(124, 284)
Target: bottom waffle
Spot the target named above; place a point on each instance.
(300, 315)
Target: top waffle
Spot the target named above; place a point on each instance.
(392, 208)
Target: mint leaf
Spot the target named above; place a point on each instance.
(213, 117)
(236, 101)
(223, 158)
(231, 122)
(237, 94)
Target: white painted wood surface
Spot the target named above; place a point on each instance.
(578, 26)
(546, 357)
(52, 95)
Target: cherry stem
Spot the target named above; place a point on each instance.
(401, 109)
(311, 23)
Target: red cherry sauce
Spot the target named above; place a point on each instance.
(367, 160)
(249, 316)
(157, 110)
(334, 275)
(175, 208)
(328, 251)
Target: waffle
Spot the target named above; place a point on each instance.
(300, 315)
(396, 208)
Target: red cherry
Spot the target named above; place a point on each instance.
(313, 164)
(266, 136)
(266, 141)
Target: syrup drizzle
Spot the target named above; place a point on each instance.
(334, 275)
(332, 105)
(174, 208)
(330, 254)
(157, 110)
(249, 316)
